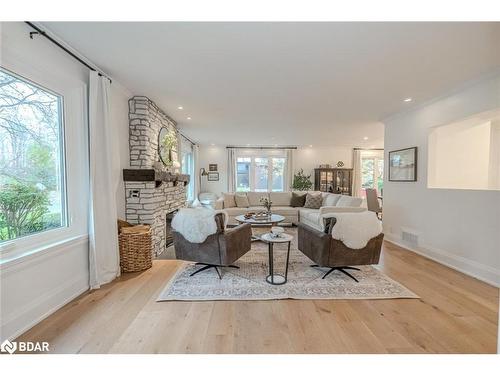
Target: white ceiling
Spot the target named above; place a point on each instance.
(286, 83)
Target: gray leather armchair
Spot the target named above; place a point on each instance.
(220, 249)
(326, 251)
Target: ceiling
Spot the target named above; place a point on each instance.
(286, 83)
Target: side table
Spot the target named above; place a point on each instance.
(273, 278)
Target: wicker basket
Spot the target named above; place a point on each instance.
(135, 248)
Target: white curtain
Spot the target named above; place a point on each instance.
(356, 165)
(104, 258)
(231, 170)
(289, 170)
(196, 169)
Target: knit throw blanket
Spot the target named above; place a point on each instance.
(355, 229)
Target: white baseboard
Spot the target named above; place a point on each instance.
(469, 267)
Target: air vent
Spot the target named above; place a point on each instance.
(409, 237)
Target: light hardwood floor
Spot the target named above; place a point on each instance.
(456, 314)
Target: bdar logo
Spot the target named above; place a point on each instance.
(8, 347)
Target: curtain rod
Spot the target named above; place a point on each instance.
(43, 33)
(265, 147)
(186, 138)
(368, 149)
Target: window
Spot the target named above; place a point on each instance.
(243, 174)
(32, 184)
(188, 168)
(260, 173)
(372, 171)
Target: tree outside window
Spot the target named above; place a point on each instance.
(31, 157)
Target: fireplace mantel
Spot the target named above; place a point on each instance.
(140, 175)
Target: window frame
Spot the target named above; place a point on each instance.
(74, 153)
(252, 171)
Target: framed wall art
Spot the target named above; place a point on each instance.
(403, 165)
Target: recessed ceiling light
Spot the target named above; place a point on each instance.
(189, 118)
(180, 107)
(212, 144)
(365, 138)
(408, 100)
(310, 145)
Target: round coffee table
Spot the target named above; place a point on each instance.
(272, 220)
(272, 278)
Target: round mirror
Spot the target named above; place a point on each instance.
(167, 146)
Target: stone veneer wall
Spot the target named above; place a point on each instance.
(146, 120)
(146, 203)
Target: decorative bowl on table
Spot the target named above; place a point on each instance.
(277, 232)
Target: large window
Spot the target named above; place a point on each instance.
(260, 173)
(32, 188)
(372, 171)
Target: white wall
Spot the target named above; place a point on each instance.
(306, 158)
(210, 155)
(459, 228)
(34, 286)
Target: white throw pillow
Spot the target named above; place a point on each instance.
(348, 201)
(241, 200)
(331, 199)
(229, 200)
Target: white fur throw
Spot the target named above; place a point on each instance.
(355, 229)
(195, 224)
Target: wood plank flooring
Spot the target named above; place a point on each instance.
(456, 314)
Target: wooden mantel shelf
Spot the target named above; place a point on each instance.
(159, 177)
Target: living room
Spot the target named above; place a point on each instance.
(249, 187)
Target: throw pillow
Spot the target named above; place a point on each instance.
(241, 200)
(298, 200)
(313, 201)
(331, 199)
(228, 200)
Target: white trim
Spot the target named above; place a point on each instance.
(41, 254)
(469, 267)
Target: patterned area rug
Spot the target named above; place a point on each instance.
(304, 282)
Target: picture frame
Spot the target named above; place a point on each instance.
(403, 165)
(213, 176)
(212, 167)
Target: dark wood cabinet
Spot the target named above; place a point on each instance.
(333, 180)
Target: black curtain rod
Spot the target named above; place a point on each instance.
(265, 147)
(187, 139)
(43, 33)
(368, 149)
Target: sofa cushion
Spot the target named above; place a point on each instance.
(313, 201)
(284, 210)
(298, 199)
(305, 213)
(254, 197)
(348, 201)
(228, 200)
(241, 200)
(331, 199)
(281, 198)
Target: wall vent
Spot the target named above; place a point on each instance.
(409, 237)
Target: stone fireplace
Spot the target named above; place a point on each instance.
(152, 193)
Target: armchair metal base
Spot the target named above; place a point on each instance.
(208, 266)
(341, 269)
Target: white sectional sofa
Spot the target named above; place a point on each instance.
(282, 206)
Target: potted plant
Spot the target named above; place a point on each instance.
(301, 181)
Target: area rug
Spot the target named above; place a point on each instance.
(304, 282)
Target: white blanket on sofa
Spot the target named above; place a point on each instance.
(195, 224)
(355, 229)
